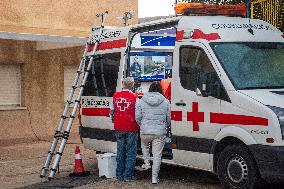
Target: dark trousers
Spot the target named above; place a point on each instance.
(126, 154)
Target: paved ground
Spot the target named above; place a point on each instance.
(20, 166)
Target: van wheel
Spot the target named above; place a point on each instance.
(236, 168)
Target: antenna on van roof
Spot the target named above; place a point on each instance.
(250, 30)
(126, 16)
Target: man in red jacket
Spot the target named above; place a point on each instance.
(126, 130)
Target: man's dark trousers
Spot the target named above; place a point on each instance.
(126, 154)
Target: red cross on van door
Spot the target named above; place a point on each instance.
(122, 104)
(195, 116)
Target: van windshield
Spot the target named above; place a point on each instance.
(252, 65)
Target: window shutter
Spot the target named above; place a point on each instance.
(10, 85)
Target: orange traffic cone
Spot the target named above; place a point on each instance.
(79, 167)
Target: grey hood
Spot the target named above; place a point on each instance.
(153, 114)
(153, 98)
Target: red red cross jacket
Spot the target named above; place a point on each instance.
(124, 111)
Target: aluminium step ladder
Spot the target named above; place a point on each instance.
(82, 69)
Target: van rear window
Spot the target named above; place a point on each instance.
(102, 80)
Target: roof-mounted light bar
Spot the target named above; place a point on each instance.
(210, 9)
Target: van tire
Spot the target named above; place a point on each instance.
(237, 169)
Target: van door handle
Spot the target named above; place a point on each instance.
(181, 103)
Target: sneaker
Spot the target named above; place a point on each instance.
(146, 166)
(118, 179)
(155, 180)
(132, 179)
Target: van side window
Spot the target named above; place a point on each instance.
(102, 79)
(192, 59)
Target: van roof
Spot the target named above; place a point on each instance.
(232, 28)
(228, 29)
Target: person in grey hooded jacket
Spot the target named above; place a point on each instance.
(152, 113)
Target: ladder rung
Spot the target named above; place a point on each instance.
(64, 117)
(53, 170)
(59, 154)
(57, 137)
(66, 134)
(49, 152)
(69, 102)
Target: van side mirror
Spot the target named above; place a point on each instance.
(208, 84)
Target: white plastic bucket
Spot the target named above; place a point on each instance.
(107, 165)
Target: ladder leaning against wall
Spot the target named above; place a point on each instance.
(84, 68)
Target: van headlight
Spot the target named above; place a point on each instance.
(280, 114)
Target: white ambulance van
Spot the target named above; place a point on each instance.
(227, 92)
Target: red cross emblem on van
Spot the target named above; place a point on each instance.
(195, 116)
(122, 104)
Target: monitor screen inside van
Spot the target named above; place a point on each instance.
(150, 66)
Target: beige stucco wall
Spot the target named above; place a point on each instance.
(61, 17)
(16, 124)
(42, 84)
